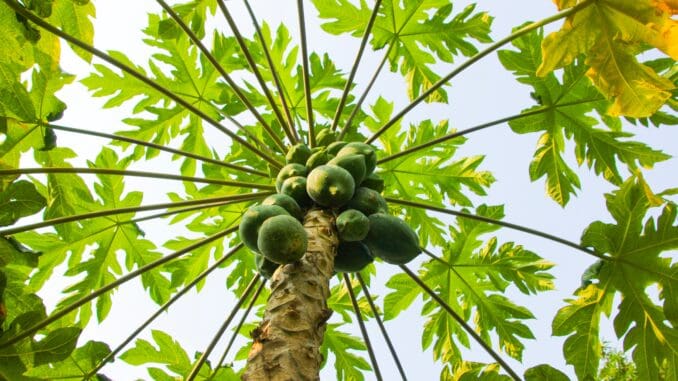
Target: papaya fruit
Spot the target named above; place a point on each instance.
(352, 257)
(295, 187)
(286, 202)
(391, 239)
(333, 148)
(298, 153)
(290, 170)
(352, 225)
(367, 201)
(364, 149)
(252, 220)
(330, 186)
(354, 164)
(265, 267)
(282, 239)
(373, 181)
(325, 137)
(317, 159)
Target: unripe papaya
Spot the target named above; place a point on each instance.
(252, 220)
(298, 153)
(290, 170)
(295, 187)
(282, 239)
(391, 239)
(364, 149)
(354, 164)
(329, 185)
(265, 267)
(373, 181)
(286, 202)
(325, 137)
(352, 225)
(334, 148)
(317, 159)
(352, 257)
(367, 201)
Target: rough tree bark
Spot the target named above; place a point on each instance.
(287, 342)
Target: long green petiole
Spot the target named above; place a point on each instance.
(110, 212)
(123, 172)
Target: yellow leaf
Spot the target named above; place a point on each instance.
(609, 32)
(637, 90)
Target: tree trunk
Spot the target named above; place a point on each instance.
(287, 342)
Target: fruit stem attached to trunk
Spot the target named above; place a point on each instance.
(287, 342)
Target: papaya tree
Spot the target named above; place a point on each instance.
(332, 196)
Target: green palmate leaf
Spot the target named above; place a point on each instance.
(544, 372)
(340, 302)
(473, 285)
(348, 365)
(581, 319)
(15, 101)
(56, 346)
(635, 244)
(469, 371)
(102, 239)
(167, 352)
(432, 174)
(19, 138)
(324, 76)
(78, 363)
(610, 32)
(567, 105)
(421, 32)
(75, 18)
(19, 200)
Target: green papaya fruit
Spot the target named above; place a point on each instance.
(286, 202)
(373, 181)
(364, 149)
(298, 153)
(367, 201)
(333, 148)
(317, 159)
(330, 185)
(352, 225)
(252, 220)
(391, 239)
(265, 267)
(352, 257)
(290, 170)
(282, 239)
(354, 164)
(325, 137)
(295, 187)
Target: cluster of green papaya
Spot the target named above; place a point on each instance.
(337, 176)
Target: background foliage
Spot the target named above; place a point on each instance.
(592, 91)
